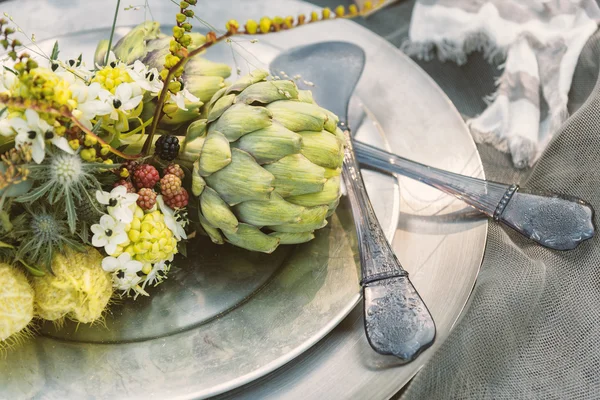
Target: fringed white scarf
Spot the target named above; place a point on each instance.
(539, 42)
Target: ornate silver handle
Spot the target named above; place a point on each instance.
(554, 221)
(397, 321)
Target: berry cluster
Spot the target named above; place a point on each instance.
(143, 179)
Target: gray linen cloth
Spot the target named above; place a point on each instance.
(530, 330)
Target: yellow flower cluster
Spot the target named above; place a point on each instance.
(43, 84)
(150, 241)
(111, 77)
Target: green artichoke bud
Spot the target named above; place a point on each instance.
(133, 45)
(269, 165)
(100, 54)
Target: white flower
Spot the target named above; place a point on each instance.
(121, 263)
(6, 125)
(121, 205)
(88, 104)
(172, 223)
(127, 97)
(128, 281)
(158, 273)
(181, 97)
(35, 131)
(7, 80)
(109, 233)
(124, 273)
(145, 78)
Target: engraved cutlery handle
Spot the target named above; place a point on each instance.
(554, 221)
(397, 322)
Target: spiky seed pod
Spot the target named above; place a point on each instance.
(78, 288)
(269, 167)
(16, 305)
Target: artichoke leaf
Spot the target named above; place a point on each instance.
(213, 233)
(321, 148)
(268, 92)
(251, 238)
(311, 219)
(242, 180)
(329, 194)
(215, 154)
(293, 238)
(274, 211)
(270, 144)
(217, 212)
(296, 175)
(241, 119)
(298, 116)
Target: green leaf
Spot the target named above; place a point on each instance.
(55, 51)
(33, 271)
(10, 70)
(6, 245)
(96, 127)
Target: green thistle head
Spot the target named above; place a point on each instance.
(64, 178)
(42, 233)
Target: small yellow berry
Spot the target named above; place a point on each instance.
(74, 144)
(251, 26)
(265, 24)
(232, 26)
(90, 140)
(340, 11)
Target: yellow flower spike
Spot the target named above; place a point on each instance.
(174, 86)
(277, 23)
(164, 73)
(340, 11)
(232, 26)
(251, 27)
(353, 10)
(178, 32)
(174, 47)
(147, 268)
(314, 16)
(265, 25)
(90, 140)
(288, 22)
(74, 144)
(171, 61)
(60, 130)
(170, 108)
(124, 173)
(326, 13)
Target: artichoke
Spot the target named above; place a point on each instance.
(269, 164)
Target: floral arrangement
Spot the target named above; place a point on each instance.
(107, 170)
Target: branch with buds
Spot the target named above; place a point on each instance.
(264, 26)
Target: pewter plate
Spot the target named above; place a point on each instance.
(227, 317)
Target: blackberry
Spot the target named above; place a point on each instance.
(167, 147)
